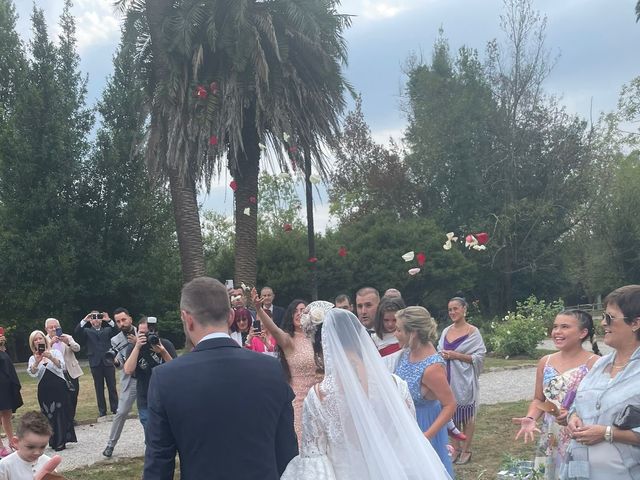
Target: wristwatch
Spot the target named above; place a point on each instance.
(608, 434)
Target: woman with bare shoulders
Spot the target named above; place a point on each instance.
(557, 380)
(295, 351)
(422, 367)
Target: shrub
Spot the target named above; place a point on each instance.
(540, 310)
(517, 334)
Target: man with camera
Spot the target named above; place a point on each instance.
(119, 351)
(148, 352)
(97, 329)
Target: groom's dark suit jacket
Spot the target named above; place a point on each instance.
(225, 410)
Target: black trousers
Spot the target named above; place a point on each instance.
(73, 397)
(101, 375)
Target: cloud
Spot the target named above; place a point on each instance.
(97, 23)
(379, 9)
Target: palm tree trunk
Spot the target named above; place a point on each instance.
(187, 216)
(311, 236)
(246, 176)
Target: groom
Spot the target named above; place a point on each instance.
(226, 410)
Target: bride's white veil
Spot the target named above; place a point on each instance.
(373, 436)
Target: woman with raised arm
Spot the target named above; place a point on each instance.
(557, 380)
(294, 349)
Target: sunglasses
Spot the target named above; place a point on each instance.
(608, 318)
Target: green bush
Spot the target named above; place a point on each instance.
(517, 334)
(540, 310)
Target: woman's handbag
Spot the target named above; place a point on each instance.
(629, 418)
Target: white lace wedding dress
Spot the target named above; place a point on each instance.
(356, 424)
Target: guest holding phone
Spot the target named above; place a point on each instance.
(68, 347)
(241, 325)
(260, 340)
(47, 366)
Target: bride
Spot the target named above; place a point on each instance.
(355, 424)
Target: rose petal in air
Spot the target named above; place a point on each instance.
(407, 257)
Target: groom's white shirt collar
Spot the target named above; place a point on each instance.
(214, 335)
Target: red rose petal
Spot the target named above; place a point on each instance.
(287, 227)
(421, 258)
(233, 185)
(201, 92)
(213, 87)
(253, 199)
(342, 252)
(213, 140)
(313, 259)
(482, 237)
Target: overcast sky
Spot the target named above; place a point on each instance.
(596, 41)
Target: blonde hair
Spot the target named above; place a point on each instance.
(32, 339)
(420, 321)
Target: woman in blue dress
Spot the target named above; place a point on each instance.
(422, 367)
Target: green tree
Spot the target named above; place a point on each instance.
(277, 74)
(368, 178)
(39, 171)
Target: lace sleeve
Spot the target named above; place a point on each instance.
(314, 435)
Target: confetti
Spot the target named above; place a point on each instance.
(470, 241)
(233, 185)
(313, 259)
(407, 257)
(201, 92)
(247, 211)
(213, 140)
(414, 271)
(421, 258)
(482, 237)
(450, 239)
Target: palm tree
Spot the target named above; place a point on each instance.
(227, 77)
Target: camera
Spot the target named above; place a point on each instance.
(152, 337)
(97, 316)
(257, 325)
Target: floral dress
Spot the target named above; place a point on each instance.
(559, 388)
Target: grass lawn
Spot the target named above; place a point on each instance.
(493, 440)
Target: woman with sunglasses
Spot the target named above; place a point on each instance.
(241, 325)
(557, 380)
(600, 450)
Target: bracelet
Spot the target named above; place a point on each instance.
(608, 434)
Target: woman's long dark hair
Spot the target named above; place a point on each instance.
(287, 326)
(585, 320)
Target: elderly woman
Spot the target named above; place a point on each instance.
(463, 349)
(605, 446)
(47, 365)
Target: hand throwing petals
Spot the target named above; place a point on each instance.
(407, 257)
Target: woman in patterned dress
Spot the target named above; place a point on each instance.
(557, 380)
(422, 367)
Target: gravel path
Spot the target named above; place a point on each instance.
(91, 442)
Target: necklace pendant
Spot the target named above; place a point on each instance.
(598, 405)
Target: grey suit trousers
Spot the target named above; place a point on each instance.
(125, 403)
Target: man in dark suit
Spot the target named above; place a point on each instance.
(97, 329)
(226, 410)
(274, 311)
